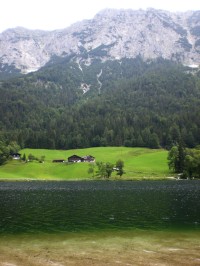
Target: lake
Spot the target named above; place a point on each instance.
(100, 223)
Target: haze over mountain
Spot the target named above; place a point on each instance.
(110, 35)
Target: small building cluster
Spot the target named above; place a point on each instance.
(76, 159)
(72, 159)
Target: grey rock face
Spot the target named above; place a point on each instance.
(111, 34)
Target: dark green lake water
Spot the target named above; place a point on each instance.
(32, 207)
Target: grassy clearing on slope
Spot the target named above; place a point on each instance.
(139, 163)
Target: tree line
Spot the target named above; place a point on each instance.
(141, 104)
(184, 161)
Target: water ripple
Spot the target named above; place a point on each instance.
(75, 206)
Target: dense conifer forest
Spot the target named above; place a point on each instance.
(144, 104)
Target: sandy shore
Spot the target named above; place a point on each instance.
(124, 248)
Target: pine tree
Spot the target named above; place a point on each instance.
(120, 167)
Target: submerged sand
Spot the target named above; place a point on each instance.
(102, 248)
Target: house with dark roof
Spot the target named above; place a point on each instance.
(75, 159)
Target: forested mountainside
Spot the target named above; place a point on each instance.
(127, 102)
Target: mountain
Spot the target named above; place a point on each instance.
(122, 78)
(110, 35)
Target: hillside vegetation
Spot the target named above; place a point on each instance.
(139, 163)
(136, 104)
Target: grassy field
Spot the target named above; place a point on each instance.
(140, 163)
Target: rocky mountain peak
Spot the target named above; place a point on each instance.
(111, 34)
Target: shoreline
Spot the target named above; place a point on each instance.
(89, 180)
(102, 248)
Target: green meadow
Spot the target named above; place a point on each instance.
(140, 163)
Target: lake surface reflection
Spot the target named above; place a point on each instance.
(32, 207)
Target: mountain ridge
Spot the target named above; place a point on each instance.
(110, 35)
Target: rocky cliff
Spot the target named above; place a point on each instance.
(111, 34)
